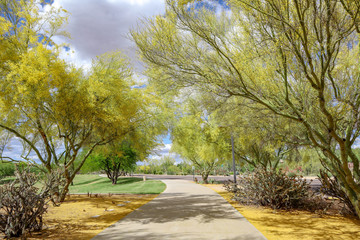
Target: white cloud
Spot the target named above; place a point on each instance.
(165, 150)
(100, 26)
(162, 151)
(132, 2)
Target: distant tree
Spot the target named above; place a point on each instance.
(197, 139)
(116, 159)
(185, 168)
(166, 162)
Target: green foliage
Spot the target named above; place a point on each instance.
(184, 168)
(173, 170)
(258, 134)
(270, 188)
(167, 165)
(146, 170)
(197, 138)
(306, 158)
(91, 165)
(119, 159)
(164, 165)
(7, 169)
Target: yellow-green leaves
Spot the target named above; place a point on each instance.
(110, 90)
(198, 139)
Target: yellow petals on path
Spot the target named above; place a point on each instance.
(83, 217)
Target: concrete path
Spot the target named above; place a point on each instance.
(185, 210)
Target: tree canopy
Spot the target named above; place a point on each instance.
(198, 139)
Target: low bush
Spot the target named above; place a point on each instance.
(270, 188)
(210, 181)
(22, 205)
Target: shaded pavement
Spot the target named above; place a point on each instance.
(185, 210)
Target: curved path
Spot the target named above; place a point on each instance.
(185, 210)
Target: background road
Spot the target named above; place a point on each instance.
(314, 182)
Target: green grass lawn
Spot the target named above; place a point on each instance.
(96, 184)
(87, 183)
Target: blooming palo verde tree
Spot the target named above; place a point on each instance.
(52, 107)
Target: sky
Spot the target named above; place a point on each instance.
(98, 26)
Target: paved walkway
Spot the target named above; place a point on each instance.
(185, 210)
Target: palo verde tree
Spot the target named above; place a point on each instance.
(52, 108)
(298, 59)
(197, 139)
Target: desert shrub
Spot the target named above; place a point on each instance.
(213, 181)
(270, 188)
(210, 181)
(332, 187)
(230, 186)
(22, 205)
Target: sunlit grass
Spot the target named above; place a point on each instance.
(97, 184)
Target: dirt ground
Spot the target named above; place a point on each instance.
(83, 217)
(294, 225)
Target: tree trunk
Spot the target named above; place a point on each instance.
(64, 192)
(114, 178)
(69, 180)
(205, 176)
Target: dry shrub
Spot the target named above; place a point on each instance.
(270, 188)
(22, 205)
